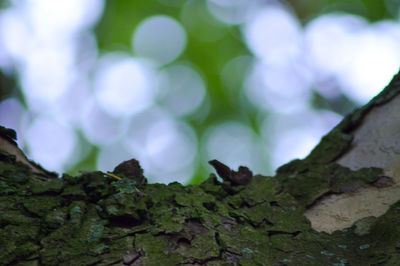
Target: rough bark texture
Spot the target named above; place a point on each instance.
(95, 219)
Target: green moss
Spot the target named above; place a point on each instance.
(156, 252)
(201, 247)
(93, 219)
(5, 189)
(186, 225)
(344, 180)
(13, 175)
(102, 248)
(76, 213)
(282, 241)
(74, 192)
(55, 218)
(213, 187)
(54, 186)
(125, 186)
(330, 147)
(308, 182)
(168, 221)
(18, 241)
(40, 206)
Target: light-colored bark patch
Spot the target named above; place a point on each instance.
(376, 144)
(5, 145)
(336, 212)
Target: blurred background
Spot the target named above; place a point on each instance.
(88, 84)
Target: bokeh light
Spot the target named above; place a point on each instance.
(13, 115)
(294, 135)
(182, 89)
(176, 83)
(123, 86)
(232, 11)
(268, 87)
(362, 57)
(45, 136)
(99, 127)
(165, 146)
(274, 35)
(160, 38)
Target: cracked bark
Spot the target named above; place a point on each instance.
(338, 206)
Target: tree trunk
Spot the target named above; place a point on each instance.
(339, 206)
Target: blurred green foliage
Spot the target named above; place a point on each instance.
(120, 19)
(211, 44)
(372, 10)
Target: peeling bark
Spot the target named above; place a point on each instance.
(336, 207)
(375, 143)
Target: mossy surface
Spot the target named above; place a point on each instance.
(308, 181)
(93, 219)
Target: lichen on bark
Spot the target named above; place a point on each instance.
(208, 224)
(93, 219)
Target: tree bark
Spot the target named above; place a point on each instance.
(339, 206)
